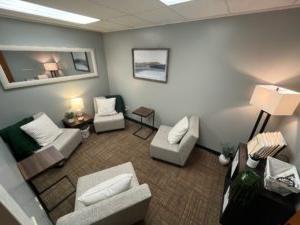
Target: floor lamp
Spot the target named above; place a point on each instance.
(273, 100)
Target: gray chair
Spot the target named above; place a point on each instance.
(125, 208)
(177, 154)
(67, 142)
(107, 123)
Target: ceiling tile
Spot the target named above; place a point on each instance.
(131, 6)
(127, 14)
(198, 9)
(100, 26)
(130, 21)
(83, 7)
(107, 26)
(236, 6)
(161, 16)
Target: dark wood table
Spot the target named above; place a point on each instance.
(144, 112)
(87, 120)
(38, 163)
(265, 208)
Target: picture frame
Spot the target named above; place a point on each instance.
(7, 84)
(81, 62)
(150, 64)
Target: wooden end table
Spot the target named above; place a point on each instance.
(38, 163)
(87, 120)
(144, 112)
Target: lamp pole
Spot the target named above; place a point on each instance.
(261, 113)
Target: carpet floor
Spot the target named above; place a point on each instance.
(187, 195)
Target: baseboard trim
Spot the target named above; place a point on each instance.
(154, 128)
(215, 152)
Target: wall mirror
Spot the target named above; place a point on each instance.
(23, 66)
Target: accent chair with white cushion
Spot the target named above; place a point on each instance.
(125, 208)
(102, 123)
(67, 142)
(177, 153)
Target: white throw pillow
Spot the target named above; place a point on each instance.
(42, 129)
(178, 131)
(106, 189)
(106, 106)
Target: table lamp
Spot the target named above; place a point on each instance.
(52, 67)
(77, 106)
(273, 100)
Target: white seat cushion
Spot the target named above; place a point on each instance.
(105, 123)
(106, 189)
(118, 116)
(67, 142)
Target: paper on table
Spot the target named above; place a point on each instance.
(226, 199)
(235, 162)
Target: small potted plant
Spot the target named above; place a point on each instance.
(70, 116)
(245, 187)
(227, 154)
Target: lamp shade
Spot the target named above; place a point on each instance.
(50, 66)
(275, 100)
(77, 104)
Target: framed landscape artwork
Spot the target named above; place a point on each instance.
(150, 64)
(80, 61)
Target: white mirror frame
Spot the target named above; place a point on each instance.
(7, 85)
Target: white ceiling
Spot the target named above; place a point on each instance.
(119, 15)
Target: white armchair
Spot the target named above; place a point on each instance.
(67, 142)
(125, 208)
(178, 154)
(107, 123)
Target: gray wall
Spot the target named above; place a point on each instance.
(214, 66)
(52, 98)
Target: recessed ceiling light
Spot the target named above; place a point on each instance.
(39, 10)
(174, 2)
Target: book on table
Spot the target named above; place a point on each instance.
(266, 144)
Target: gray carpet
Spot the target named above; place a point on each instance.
(181, 196)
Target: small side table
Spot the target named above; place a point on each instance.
(88, 120)
(144, 112)
(38, 163)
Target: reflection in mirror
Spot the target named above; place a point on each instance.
(38, 65)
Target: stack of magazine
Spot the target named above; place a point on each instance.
(266, 144)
